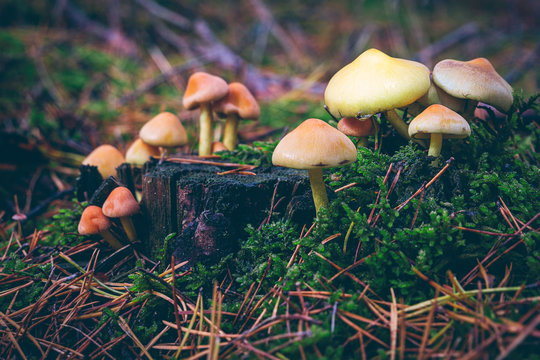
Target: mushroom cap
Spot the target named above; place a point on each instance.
(202, 88)
(314, 144)
(353, 127)
(107, 158)
(373, 83)
(218, 146)
(93, 221)
(119, 203)
(139, 152)
(438, 119)
(165, 129)
(238, 101)
(475, 79)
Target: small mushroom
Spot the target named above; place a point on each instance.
(107, 158)
(164, 130)
(360, 129)
(140, 152)
(201, 91)
(315, 145)
(238, 104)
(121, 204)
(438, 122)
(93, 221)
(218, 146)
(374, 83)
(473, 81)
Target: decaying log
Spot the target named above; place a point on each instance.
(208, 213)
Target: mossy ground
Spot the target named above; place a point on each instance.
(284, 275)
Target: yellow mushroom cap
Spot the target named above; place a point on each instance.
(165, 130)
(238, 101)
(475, 79)
(107, 158)
(314, 144)
(373, 83)
(353, 127)
(140, 152)
(203, 88)
(119, 203)
(438, 119)
(93, 221)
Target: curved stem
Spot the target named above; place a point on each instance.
(205, 130)
(111, 240)
(398, 124)
(129, 228)
(318, 189)
(230, 137)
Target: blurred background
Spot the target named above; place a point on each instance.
(75, 74)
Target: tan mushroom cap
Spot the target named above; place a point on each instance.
(119, 203)
(107, 158)
(438, 119)
(238, 101)
(140, 152)
(314, 144)
(475, 79)
(165, 130)
(218, 146)
(373, 83)
(202, 88)
(353, 127)
(93, 221)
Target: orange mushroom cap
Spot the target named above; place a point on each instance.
(107, 158)
(239, 101)
(164, 129)
(353, 127)
(202, 88)
(93, 221)
(119, 203)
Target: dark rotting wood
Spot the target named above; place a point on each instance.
(88, 182)
(209, 212)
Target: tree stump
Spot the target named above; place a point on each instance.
(209, 212)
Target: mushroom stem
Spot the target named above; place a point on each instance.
(397, 123)
(129, 228)
(468, 109)
(230, 137)
(205, 130)
(111, 240)
(318, 189)
(435, 145)
(362, 141)
(163, 151)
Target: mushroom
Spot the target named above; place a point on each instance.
(93, 221)
(474, 80)
(107, 158)
(238, 104)
(203, 89)
(218, 146)
(360, 129)
(315, 145)
(122, 204)
(376, 82)
(140, 152)
(438, 122)
(164, 130)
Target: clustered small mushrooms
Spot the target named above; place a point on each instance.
(211, 93)
(439, 102)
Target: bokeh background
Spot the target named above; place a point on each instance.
(75, 74)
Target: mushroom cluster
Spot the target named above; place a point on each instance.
(119, 204)
(211, 93)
